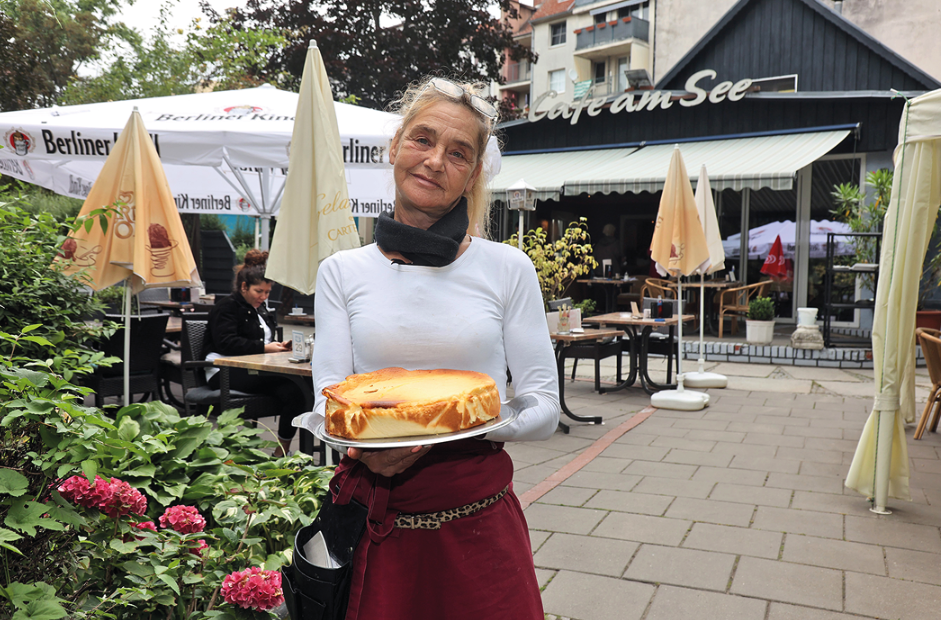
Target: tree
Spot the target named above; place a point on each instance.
(218, 57)
(45, 41)
(374, 48)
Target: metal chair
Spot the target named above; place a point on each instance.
(198, 396)
(733, 303)
(556, 304)
(930, 341)
(147, 334)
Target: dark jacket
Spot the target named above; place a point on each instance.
(234, 327)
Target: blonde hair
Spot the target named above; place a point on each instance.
(418, 97)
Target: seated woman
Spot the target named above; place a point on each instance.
(240, 324)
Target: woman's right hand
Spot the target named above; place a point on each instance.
(388, 462)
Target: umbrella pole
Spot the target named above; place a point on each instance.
(521, 230)
(679, 332)
(880, 484)
(127, 342)
(702, 318)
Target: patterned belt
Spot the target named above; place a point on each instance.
(433, 520)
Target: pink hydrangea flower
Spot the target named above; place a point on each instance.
(183, 519)
(124, 500)
(146, 525)
(253, 588)
(198, 550)
(79, 491)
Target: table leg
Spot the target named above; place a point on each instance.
(632, 377)
(560, 362)
(649, 385)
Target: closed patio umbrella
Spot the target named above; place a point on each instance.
(880, 466)
(144, 243)
(315, 219)
(710, 225)
(678, 248)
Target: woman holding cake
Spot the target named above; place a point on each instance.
(240, 324)
(447, 537)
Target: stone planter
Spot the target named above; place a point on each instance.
(759, 332)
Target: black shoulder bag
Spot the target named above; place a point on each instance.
(316, 593)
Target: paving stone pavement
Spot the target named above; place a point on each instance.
(737, 511)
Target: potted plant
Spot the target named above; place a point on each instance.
(759, 324)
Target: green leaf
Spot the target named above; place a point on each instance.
(170, 582)
(41, 610)
(30, 328)
(12, 483)
(138, 568)
(25, 517)
(8, 535)
(128, 430)
(123, 547)
(38, 340)
(90, 469)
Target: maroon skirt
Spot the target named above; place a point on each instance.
(477, 566)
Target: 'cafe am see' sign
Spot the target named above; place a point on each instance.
(640, 100)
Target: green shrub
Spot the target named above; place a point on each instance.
(761, 309)
(79, 562)
(34, 292)
(587, 306)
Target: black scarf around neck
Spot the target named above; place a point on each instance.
(435, 247)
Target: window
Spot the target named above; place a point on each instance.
(641, 11)
(600, 75)
(557, 80)
(558, 34)
(599, 17)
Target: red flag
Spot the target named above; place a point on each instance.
(775, 264)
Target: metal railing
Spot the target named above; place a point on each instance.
(602, 34)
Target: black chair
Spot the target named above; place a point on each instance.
(557, 304)
(147, 334)
(171, 365)
(198, 396)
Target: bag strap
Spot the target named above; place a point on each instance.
(379, 524)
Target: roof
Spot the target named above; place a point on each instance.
(551, 8)
(827, 51)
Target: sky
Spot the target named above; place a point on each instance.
(144, 13)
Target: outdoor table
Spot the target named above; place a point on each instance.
(596, 336)
(639, 357)
(279, 364)
(175, 307)
(710, 289)
(297, 319)
(612, 287)
(174, 325)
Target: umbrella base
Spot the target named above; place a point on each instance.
(680, 400)
(705, 380)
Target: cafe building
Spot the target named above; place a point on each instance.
(782, 100)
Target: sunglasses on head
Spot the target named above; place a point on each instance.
(456, 91)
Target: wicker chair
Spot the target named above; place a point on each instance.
(930, 341)
(655, 287)
(733, 303)
(147, 334)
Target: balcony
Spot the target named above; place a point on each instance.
(518, 76)
(610, 38)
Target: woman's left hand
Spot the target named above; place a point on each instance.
(388, 462)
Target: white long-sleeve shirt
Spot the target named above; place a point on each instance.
(483, 312)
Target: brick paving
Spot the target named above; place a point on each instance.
(735, 511)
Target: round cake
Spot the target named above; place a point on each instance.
(394, 402)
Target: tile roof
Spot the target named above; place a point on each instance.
(552, 7)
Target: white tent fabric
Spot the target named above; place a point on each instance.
(244, 135)
(880, 465)
(761, 238)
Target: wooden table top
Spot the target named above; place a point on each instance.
(297, 319)
(626, 318)
(590, 281)
(588, 334)
(267, 362)
(174, 325)
(178, 305)
(719, 284)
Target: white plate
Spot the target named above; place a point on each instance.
(509, 411)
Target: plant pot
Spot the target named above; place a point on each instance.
(759, 332)
(928, 318)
